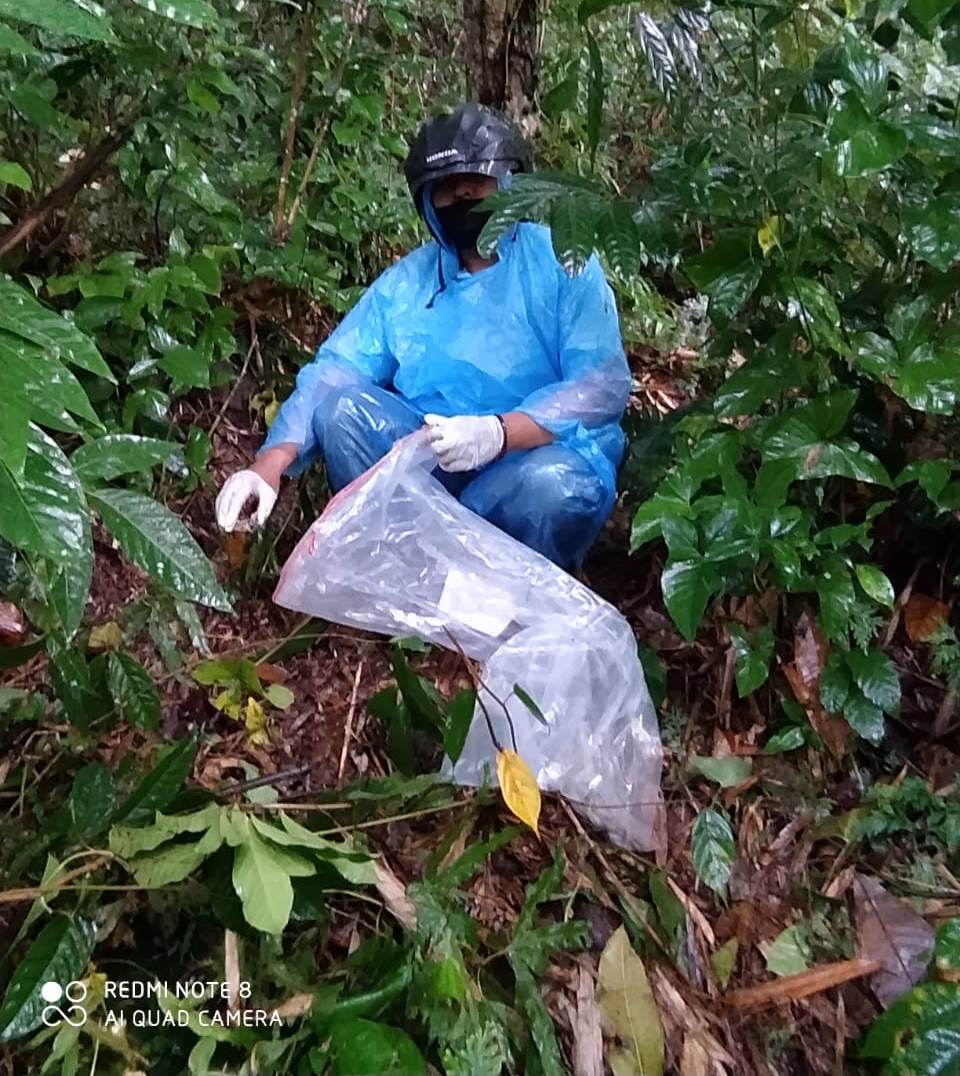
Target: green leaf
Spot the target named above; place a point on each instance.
(753, 657)
(161, 785)
(627, 1004)
(92, 800)
(189, 12)
(69, 590)
(187, 366)
(788, 953)
(726, 772)
(596, 88)
(786, 739)
(863, 144)
(262, 882)
(687, 587)
(876, 676)
(130, 841)
(814, 307)
(619, 239)
(118, 454)
(875, 584)
(156, 541)
(929, 382)
(530, 704)
(572, 232)
(933, 230)
(133, 691)
(22, 315)
(562, 97)
(729, 292)
(12, 42)
(723, 960)
(366, 1048)
(713, 850)
(459, 720)
(918, 1017)
(864, 717)
(16, 175)
(946, 950)
(59, 17)
(60, 955)
(929, 12)
(44, 512)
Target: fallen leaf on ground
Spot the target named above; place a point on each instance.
(922, 615)
(587, 1033)
(106, 636)
(890, 932)
(519, 788)
(235, 544)
(393, 893)
(629, 1010)
(794, 987)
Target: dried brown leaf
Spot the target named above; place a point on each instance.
(891, 933)
(922, 616)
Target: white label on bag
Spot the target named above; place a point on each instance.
(477, 603)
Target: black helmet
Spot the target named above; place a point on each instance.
(472, 140)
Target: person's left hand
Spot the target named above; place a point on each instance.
(465, 442)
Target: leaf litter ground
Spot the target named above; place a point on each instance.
(793, 899)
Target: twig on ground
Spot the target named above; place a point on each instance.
(348, 728)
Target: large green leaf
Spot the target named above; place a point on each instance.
(366, 1048)
(59, 955)
(155, 540)
(92, 800)
(728, 292)
(16, 419)
(11, 41)
(44, 512)
(713, 850)
(687, 587)
(158, 789)
(809, 302)
(933, 230)
(572, 231)
(133, 691)
(753, 656)
(262, 883)
(58, 17)
(69, 589)
(929, 382)
(22, 315)
(876, 676)
(117, 454)
(863, 144)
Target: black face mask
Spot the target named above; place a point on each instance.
(460, 225)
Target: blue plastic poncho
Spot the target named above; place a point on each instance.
(518, 336)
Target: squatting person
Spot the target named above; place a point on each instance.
(516, 369)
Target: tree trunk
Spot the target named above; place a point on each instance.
(501, 56)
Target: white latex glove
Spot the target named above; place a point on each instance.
(237, 490)
(465, 442)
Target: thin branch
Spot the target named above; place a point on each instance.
(296, 94)
(75, 179)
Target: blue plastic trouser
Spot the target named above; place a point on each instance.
(549, 498)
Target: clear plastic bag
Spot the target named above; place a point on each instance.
(394, 552)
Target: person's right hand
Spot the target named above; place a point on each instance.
(238, 489)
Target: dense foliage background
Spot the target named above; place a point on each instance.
(197, 786)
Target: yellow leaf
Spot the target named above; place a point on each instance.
(106, 636)
(629, 1009)
(768, 234)
(519, 788)
(270, 412)
(256, 723)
